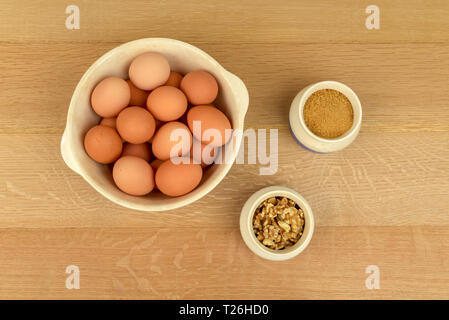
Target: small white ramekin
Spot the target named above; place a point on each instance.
(246, 224)
(307, 138)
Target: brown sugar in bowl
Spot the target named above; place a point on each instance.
(304, 135)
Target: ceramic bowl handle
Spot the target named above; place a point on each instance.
(67, 153)
(240, 92)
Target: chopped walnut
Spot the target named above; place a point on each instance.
(278, 223)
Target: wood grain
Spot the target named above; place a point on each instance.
(232, 22)
(382, 201)
(118, 263)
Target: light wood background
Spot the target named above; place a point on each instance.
(383, 201)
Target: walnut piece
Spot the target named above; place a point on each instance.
(278, 223)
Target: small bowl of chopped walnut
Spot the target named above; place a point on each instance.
(276, 223)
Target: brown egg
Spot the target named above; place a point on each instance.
(183, 118)
(200, 87)
(174, 79)
(158, 125)
(162, 144)
(141, 150)
(110, 96)
(178, 179)
(133, 175)
(167, 103)
(155, 164)
(103, 144)
(110, 122)
(136, 125)
(138, 97)
(149, 70)
(204, 155)
(210, 118)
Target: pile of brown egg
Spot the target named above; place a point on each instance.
(139, 117)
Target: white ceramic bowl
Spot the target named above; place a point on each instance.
(232, 100)
(246, 224)
(307, 138)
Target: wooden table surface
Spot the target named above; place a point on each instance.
(383, 201)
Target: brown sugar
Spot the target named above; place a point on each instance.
(328, 113)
